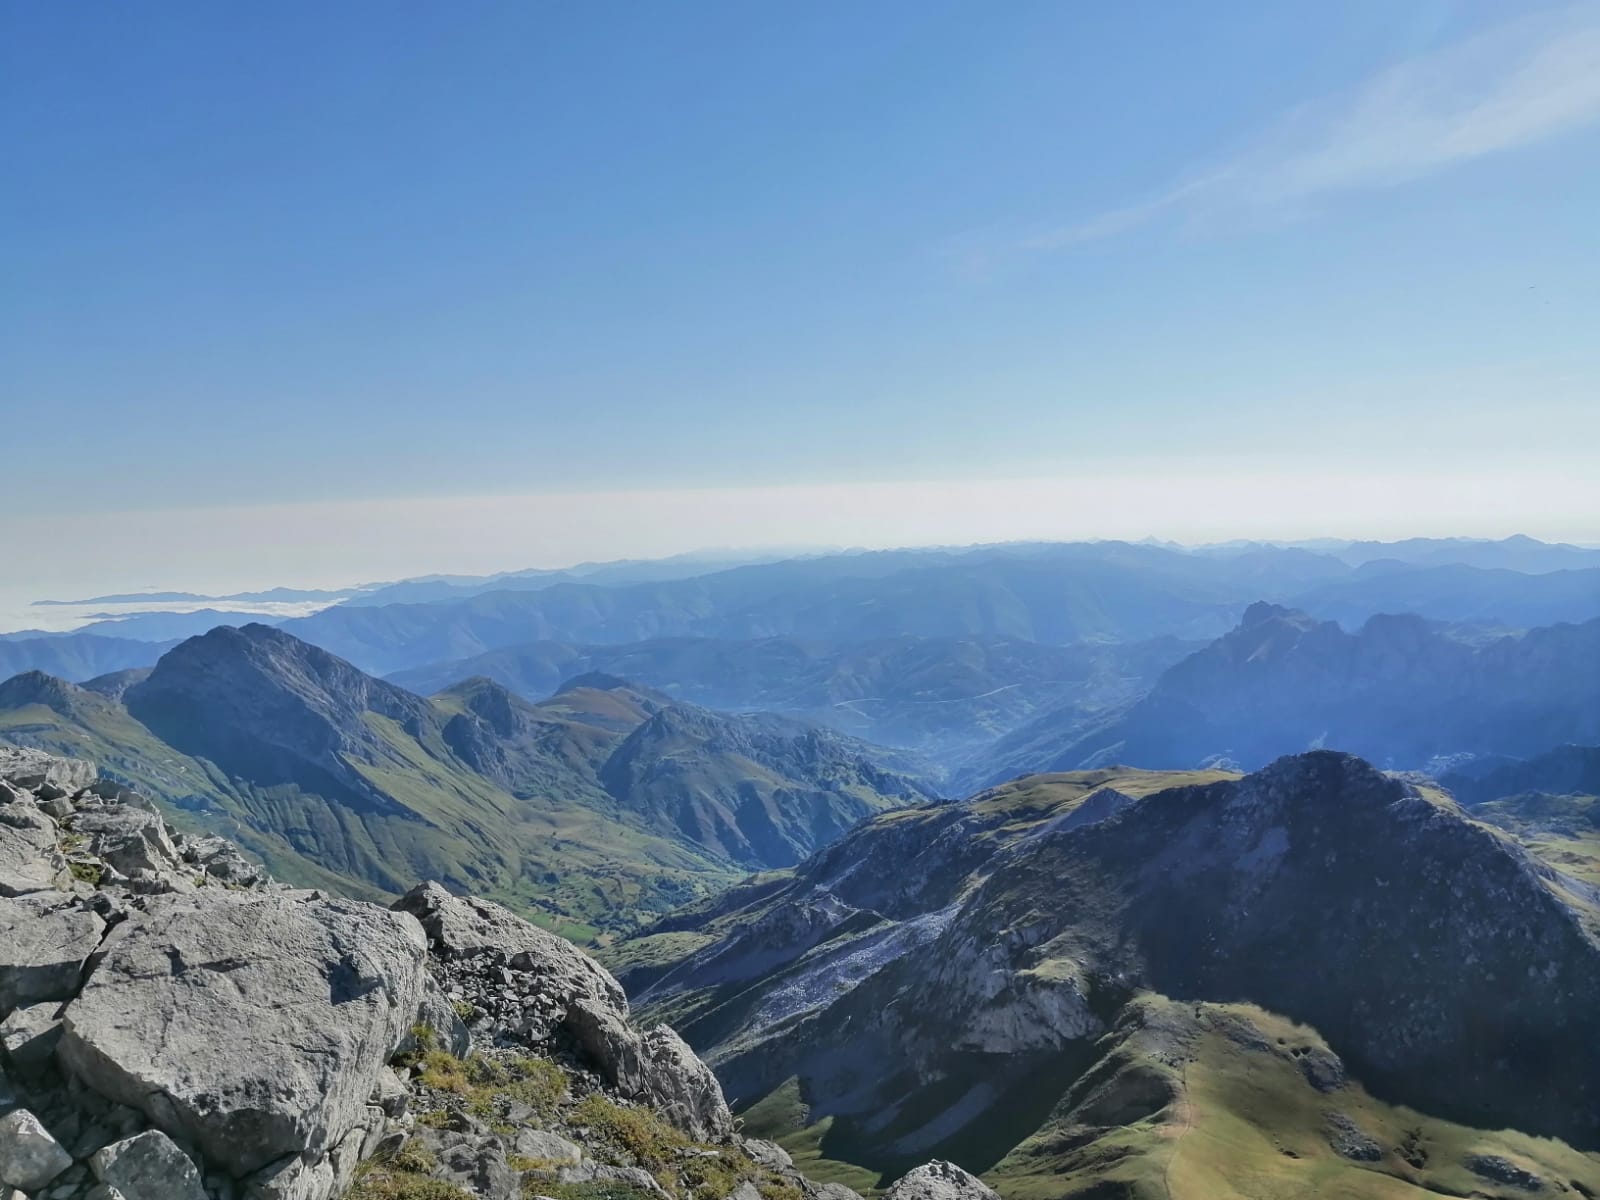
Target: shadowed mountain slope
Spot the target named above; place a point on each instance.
(1400, 691)
(1033, 983)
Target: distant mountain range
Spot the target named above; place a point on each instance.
(1401, 691)
(601, 804)
(946, 698)
(77, 656)
(1111, 983)
(990, 661)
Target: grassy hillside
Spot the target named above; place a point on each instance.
(576, 871)
(339, 780)
(1186, 1101)
(1222, 1102)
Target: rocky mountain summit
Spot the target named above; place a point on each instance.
(1056, 980)
(178, 1026)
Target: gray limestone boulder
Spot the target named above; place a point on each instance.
(683, 1088)
(547, 1147)
(129, 839)
(37, 771)
(29, 859)
(557, 986)
(45, 938)
(30, 1035)
(29, 1157)
(148, 1167)
(462, 926)
(479, 1165)
(939, 1180)
(769, 1154)
(286, 1012)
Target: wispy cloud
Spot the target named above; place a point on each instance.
(1514, 85)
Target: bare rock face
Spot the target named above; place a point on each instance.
(29, 1157)
(939, 1180)
(45, 939)
(46, 774)
(176, 1026)
(531, 986)
(254, 1026)
(148, 1167)
(464, 926)
(30, 860)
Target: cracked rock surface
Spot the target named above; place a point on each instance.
(178, 1026)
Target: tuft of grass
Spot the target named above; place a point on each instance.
(598, 1190)
(88, 872)
(445, 1073)
(536, 1082)
(404, 1175)
(402, 1185)
(641, 1132)
(708, 1177)
(489, 1084)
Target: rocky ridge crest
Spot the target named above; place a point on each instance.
(177, 1026)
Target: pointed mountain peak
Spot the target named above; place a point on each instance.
(35, 687)
(1263, 611)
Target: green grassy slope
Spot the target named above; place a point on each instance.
(1216, 1102)
(419, 813)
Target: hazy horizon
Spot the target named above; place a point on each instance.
(218, 550)
(470, 294)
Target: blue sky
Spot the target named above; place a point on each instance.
(316, 255)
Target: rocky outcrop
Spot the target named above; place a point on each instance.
(177, 1026)
(560, 992)
(939, 1180)
(978, 952)
(255, 1082)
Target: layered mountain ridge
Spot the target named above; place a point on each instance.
(337, 778)
(1401, 690)
(1034, 974)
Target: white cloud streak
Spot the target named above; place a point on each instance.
(1515, 85)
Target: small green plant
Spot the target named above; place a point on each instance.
(650, 1140)
(772, 1188)
(403, 1175)
(402, 1185)
(414, 1157)
(422, 1041)
(487, 1084)
(598, 1190)
(444, 1073)
(464, 1009)
(89, 873)
(536, 1082)
(521, 1162)
(714, 1177)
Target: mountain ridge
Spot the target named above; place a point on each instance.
(331, 774)
(981, 954)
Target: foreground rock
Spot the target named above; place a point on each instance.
(286, 1009)
(29, 1156)
(558, 990)
(176, 1026)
